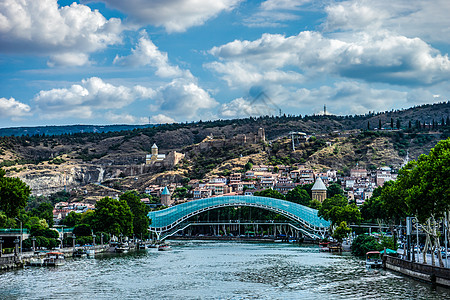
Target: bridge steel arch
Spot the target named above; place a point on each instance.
(167, 220)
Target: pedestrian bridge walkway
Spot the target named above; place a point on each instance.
(169, 220)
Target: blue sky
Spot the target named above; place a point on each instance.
(162, 61)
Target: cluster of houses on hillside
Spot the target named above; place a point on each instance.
(358, 186)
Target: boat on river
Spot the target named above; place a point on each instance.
(80, 253)
(164, 248)
(122, 248)
(54, 259)
(373, 259)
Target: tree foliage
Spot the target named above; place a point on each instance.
(298, 195)
(270, 193)
(139, 210)
(363, 244)
(113, 216)
(336, 209)
(14, 194)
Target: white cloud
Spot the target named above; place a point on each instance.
(241, 107)
(273, 13)
(412, 18)
(67, 34)
(68, 59)
(147, 54)
(10, 108)
(173, 15)
(161, 119)
(83, 100)
(120, 118)
(183, 98)
(383, 57)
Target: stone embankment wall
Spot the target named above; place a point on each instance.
(428, 273)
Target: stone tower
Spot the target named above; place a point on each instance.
(166, 199)
(319, 190)
(261, 135)
(154, 151)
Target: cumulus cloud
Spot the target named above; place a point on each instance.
(412, 18)
(241, 107)
(273, 13)
(120, 118)
(147, 54)
(12, 109)
(161, 119)
(183, 98)
(383, 57)
(83, 100)
(67, 34)
(173, 15)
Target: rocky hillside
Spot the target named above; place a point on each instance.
(52, 163)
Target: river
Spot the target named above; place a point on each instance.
(215, 270)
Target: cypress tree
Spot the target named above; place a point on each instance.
(392, 123)
(379, 124)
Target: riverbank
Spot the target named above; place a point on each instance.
(16, 261)
(420, 271)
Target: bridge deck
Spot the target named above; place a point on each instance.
(166, 219)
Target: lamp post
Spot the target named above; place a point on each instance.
(1, 247)
(73, 242)
(101, 239)
(93, 240)
(34, 244)
(21, 234)
(16, 246)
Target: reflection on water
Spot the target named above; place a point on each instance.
(215, 270)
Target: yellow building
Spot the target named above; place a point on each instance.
(319, 190)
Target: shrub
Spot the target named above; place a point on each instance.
(363, 244)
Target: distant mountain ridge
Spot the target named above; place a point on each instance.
(67, 129)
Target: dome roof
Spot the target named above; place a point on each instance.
(165, 191)
(319, 185)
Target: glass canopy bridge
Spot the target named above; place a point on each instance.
(169, 221)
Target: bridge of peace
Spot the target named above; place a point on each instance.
(303, 219)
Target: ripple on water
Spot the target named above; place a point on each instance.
(215, 270)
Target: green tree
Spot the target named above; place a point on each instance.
(363, 244)
(334, 189)
(336, 209)
(113, 216)
(298, 195)
(82, 230)
(14, 194)
(44, 211)
(270, 193)
(248, 166)
(341, 232)
(139, 210)
(72, 219)
(379, 124)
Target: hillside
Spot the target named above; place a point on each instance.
(48, 163)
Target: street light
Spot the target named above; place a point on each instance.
(21, 234)
(1, 247)
(73, 242)
(34, 244)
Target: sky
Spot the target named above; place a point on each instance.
(163, 61)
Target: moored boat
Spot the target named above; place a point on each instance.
(164, 248)
(122, 248)
(373, 259)
(54, 259)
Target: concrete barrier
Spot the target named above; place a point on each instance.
(428, 273)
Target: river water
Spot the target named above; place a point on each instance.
(215, 270)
